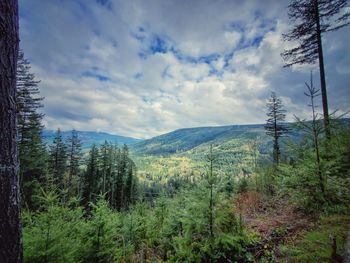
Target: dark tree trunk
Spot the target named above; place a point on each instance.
(10, 231)
(322, 75)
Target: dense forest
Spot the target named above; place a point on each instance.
(275, 192)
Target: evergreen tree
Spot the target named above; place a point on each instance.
(113, 156)
(312, 18)
(29, 123)
(105, 166)
(28, 94)
(121, 172)
(74, 161)
(53, 234)
(58, 160)
(275, 126)
(211, 181)
(91, 177)
(313, 129)
(129, 188)
(101, 235)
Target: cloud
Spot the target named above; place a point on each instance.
(140, 68)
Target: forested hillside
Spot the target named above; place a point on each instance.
(186, 139)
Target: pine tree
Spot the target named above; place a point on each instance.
(115, 158)
(314, 129)
(275, 126)
(105, 166)
(312, 19)
(74, 161)
(28, 94)
(129, 188)
(29, 122)
(91, 177)
(58, 160)
(211, 159)
(121, 172)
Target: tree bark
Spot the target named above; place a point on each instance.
(10, 228)
(322, 75)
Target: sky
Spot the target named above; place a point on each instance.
(143, 68)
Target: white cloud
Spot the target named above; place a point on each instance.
(215, 63)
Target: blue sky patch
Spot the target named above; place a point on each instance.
(159, 45)
(166, 74)
(209, 58)
(138, 75)
(105, 3)
(227, 58)
(97, 76)
(256, 41)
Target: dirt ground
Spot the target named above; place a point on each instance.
(266, 216)
(276, 220)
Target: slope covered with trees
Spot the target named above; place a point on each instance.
(187, 139)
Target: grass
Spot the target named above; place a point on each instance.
(315, 245)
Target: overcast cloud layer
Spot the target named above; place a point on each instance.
(142, 68)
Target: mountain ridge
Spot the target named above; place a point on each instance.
(182, 139)
(90, 137)
(185, 139)
(189, 138)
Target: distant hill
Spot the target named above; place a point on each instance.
(186, 139)
(184, 152)
(88, 138)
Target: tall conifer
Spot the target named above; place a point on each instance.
(58, 160)
(313, 18)
(29, 123)
(275, 126)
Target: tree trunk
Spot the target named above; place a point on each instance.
(10, 231)
(322, 75)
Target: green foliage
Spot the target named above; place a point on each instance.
(275, 124)
(52, 234)
(32, 154)
(90, 179)
(74, 162)
(112, 173)
(191, 139)
(193, 219)
(226, 248)
(100, 234)
(58, 160)
(315, 245)
(242, 185)
(302, 179)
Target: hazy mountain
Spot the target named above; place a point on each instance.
(89, 137)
